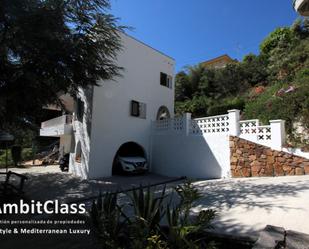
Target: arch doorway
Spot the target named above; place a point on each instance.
(163, 113)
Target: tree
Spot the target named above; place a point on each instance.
(280, 37)
(255, 69)
(230, 81)
(52, 46)
(181, 83)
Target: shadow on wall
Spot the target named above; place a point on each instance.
(192, 156)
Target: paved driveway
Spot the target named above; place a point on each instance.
(49, 183)
(248, 205)
(245, 206)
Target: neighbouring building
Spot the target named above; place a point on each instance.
(118, 114)
(219, 62)
(302, 7)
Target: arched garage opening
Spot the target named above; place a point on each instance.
(127, 150)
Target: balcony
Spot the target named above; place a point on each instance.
(302, 7)
(57, 127)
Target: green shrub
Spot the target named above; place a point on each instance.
(185, 232)
(26, 154)
(228, 104)
(109, 220)
(143, 228)
(291, 107)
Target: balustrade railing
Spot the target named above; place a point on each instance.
(62, 120)
(229, 124)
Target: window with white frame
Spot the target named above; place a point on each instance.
(138, 109)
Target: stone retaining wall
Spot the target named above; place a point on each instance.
(249, 159)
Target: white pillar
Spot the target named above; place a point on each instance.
(234, 116)
(187, 123)
(277, 133)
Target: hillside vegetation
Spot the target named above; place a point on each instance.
(271, 85)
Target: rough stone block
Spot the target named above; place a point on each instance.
(256, 169)
(281, 159)
(299, 171)
(305, 164)
(292, 172)
(246, 172)
(238, 151)
(286, 168)
(258, 152)
(276, 153)
(269, 170)
(270, 159)
(278, 170)
(287, 156)
(236, 173)
(298, 159)
(263, 156)
(256, 164)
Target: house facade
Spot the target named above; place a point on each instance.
(134, 114)
(218, 62)
(118, 114)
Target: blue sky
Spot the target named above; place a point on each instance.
(197, 30)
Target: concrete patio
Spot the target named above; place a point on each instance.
(246, 206)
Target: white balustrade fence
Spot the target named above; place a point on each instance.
(252, 131)
(178, 124)
(162, 125)
(272, 135)
(208, 125)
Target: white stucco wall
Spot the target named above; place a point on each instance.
(112, 124)
(206, 156)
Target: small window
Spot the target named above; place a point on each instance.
(135, 108)
(138, 109)
(166, 80)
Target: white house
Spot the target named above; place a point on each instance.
(135, 112)
(118, 114)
